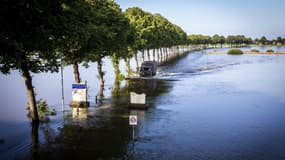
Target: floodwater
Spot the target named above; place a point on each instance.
(201, 107)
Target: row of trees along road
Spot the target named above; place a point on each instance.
(219, 40)
(264, 41)
(231, 40)
(36, 35)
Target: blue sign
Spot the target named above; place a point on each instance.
(78, 86)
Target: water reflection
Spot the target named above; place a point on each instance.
(206, 116)
(99, 132)
(35, 141)
(140, 113)
(79, 115)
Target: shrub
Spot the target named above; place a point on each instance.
(269, 51)
(254, 50)
(235, 51)
(43, 110)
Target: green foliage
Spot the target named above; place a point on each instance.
(232, 40)
(26, 35)
(199, 39)
(153, 30)
(254, 50)
(216, 39)
(121, 77)
(73, 30)
(235, 51)
(43, 110)
(238, 40)
(269, 51)
(264, 41)
(111, 32)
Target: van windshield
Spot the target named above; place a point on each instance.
(146, 69)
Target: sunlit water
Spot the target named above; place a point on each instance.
(200, 107)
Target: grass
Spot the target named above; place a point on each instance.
(255, 51)
(269, 51)
(235, 51)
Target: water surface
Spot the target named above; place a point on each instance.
(201, 107)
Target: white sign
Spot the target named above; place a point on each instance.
(133, 120)
(79, 92)
(137, 98)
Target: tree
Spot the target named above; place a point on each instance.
(199, 39)
(26, 41)
(279, 41)
(110, 35)
(263, 40)
(154, 31)
(238, 40)
(73, 31)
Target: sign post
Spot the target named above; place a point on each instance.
(137, 101)
(79, 95)
(62, 89)
(133, 121)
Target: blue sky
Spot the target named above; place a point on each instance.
(252, 18)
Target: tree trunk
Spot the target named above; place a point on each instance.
(76, 72)
(30, 92)
(115, 63)
(153, 55)
(128, 66)
(143, 56)
(161, 55)
(167, 54)
(116, 87)
(148, 55)
(137, 62)
(117, 72)
(158, 57)
(101, 94)
(100, 72)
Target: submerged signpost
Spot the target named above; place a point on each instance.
(133, 121)
(137, 101)
(79, 95)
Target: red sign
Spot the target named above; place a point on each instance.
(133, 120)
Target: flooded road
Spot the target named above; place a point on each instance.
(203, 106)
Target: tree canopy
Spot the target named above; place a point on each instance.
(153, 30)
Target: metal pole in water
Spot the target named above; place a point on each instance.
(133, 132)
(62, 89)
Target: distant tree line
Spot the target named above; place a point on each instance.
(231, 40)
(264, 41)
(219, 40)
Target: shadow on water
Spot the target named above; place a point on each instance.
(35, 141)
(100, 132)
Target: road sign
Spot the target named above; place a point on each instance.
(79, 92)
(137, 98)
(133, 120)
